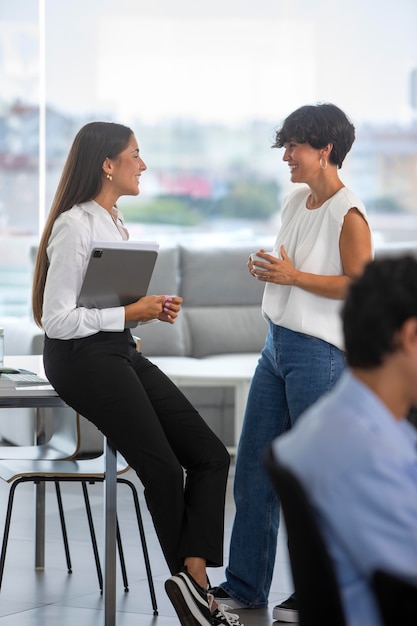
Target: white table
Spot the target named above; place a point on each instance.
(224, 370)
(46, 396)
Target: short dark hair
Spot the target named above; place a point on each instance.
(319, 125)
(377, 305)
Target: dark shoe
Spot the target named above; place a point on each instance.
(221, 597)
(189, 599)
(222, 617)
(287, 611)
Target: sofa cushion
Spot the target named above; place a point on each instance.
(162, 339)
(218, 276)
(21, 336)
(165, 278)
(224, 329)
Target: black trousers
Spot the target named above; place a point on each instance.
(158, 431)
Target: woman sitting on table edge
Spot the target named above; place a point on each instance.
(91, 360)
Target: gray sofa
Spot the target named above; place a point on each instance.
(221, 315)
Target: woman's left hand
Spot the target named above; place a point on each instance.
(171, 308)
(281, 271)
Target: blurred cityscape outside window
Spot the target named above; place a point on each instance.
(203, 88)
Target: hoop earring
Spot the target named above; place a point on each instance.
(110, 177)
(323, 167)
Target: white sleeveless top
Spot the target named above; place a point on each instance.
(311, 239)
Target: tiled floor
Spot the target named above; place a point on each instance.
(52, 596)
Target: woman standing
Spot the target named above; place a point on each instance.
(323, 243)
(92, 362)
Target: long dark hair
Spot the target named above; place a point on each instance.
(81, 181)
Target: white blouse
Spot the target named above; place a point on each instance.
(68, 253)
(311, 239)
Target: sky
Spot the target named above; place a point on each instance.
(227, 61)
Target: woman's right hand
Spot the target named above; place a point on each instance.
(145, 309)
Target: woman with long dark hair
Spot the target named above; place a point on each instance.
(91, 360)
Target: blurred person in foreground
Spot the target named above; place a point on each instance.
(324, 242)
(91, 360)
(354, 451)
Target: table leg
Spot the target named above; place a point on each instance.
(110, 505)
(40, 491)
(40, 526)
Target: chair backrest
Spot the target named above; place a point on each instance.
(312, 570)
(63, 444)
(397, 599)
(66, 434)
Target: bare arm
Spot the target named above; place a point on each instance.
(355, 251)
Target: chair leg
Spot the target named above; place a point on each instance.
(94, 543)
(93, 535)
(143, 541)
(63, 525)
(7, 528)
(121, 556)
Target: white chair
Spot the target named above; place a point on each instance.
(57, 461)
(64, 443)
(17, 471)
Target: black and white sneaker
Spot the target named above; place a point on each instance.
(189, 599)
(221, 617)
(287, 611)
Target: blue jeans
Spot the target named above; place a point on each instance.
(294, 370)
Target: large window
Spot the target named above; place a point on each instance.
(203, 85)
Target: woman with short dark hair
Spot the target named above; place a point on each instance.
(324, 242)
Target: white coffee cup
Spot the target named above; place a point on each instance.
(255, 258)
